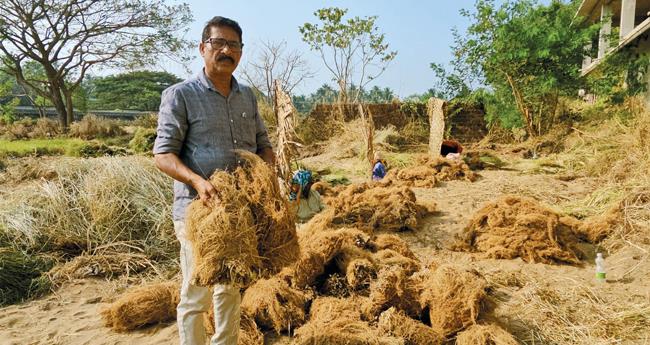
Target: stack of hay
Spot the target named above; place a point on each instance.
(348, 285)
(427, 171)
(514, 226)
(372, 206)
(385, 297)
(252, 213)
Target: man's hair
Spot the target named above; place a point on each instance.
(220, 21)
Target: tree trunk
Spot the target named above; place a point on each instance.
(68, 106)
(436, 109)
(59, 105)
(525, 112)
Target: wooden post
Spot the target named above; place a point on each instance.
(285, 149)
(436, 109)
(368, 133)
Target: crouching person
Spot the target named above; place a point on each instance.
(309, 200)
(201, 121)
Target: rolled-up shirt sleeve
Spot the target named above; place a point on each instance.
(172, 123)
(262, 135)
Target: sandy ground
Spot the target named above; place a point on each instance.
(71, 316)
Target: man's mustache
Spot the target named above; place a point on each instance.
(225, 57)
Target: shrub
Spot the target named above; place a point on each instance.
(91, 127)
(143, 140)
(149, 120)
(22, 276)
(45, 128)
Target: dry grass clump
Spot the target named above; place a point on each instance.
(212, 231)
(109, 264)
(29, 129)
(90, 204)
(395, 323)
(393, 242)
(453, 296)
(336, 321)
(428, 171)
(249, 333)
(143, 306)
(357, 265)
(393, 288)
(91, 127)
(515, 226)
(489, 334)
(370, 207)
(390, 258)
(272, 215)
(252, 213)
(571, 313)
(275, 305)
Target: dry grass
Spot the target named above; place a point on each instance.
(513, 226)
(372, 206)
(573, 313)
(143, 306)
(275, 305)
(92, 204)
(395, 323)
(91, 127)
(453, 296)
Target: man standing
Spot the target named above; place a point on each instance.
(201, 121)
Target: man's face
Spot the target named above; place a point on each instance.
(223, 60)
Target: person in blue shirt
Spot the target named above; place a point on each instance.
(378, 167)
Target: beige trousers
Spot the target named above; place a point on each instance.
(195, 300)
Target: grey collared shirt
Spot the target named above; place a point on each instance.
(203, 128)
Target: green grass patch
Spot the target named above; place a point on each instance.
(39, 147)
(22, 276)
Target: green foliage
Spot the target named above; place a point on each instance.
(22, 276)
(38, 147)
(8, 101)
(621, 75)
(143, 140)
(131, 91)
(346, 45)
(326, 94)
(69, 39)
(528, 54)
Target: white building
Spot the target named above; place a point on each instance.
(630, 18)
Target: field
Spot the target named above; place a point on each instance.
(101, 226)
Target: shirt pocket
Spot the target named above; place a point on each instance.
(248, 126)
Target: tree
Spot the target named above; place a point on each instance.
(528, 54)
(138, 90)
(69, 37)
(272, 62)
(353, 50)
(8, 101)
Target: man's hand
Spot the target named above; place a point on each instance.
(170, 164)
(205, 189)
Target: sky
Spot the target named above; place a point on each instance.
(420, 31)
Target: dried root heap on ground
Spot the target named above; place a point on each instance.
(252, 214)
(428, 171)
(378, 299)
(515, 226)
(372, 206)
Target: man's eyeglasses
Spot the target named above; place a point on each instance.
(220, 43)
